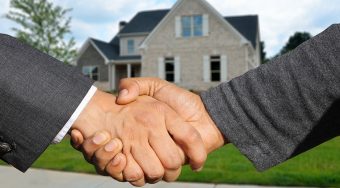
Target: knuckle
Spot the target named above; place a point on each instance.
(172, 164)
(143, 118)
(123, 80)
(192, 137)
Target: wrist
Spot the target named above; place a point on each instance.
(211, 135)
(93, 117)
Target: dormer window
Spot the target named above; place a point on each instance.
(192, 26)
(131, 47)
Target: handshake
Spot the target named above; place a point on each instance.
(146, 133)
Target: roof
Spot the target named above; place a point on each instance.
(109, 50)
(246, 25)
(146, 21)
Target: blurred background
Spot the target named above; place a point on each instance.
(67, 29)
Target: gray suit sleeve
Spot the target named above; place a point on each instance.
(283, 108)
(38, 94)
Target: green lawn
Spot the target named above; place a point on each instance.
(318, 167)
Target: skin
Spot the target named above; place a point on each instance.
(187, 104)
(147, 129)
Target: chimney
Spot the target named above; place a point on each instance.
(122, 24)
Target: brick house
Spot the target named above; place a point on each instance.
(190, 44)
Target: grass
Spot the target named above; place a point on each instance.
(319, 167)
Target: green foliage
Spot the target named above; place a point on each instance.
(264, 58)
(43, 26)
(319, 167)
(294, 41)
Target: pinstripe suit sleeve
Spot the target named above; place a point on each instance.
(38, 95)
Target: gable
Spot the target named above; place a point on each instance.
(213, 13)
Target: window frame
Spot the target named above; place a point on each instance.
(193, 26)
(131, 49)
(169, 60)
(215, 59)
(90, 73)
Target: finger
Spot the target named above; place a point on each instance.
(172, 175)
(149, 162)
(105, 154)
(93, 144)
(115, 167)
(131, 88)
(132, 172)
(166, 149)
(77, 139)
(188, 139)
(139, 183)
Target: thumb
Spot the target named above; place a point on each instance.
(131, 88)
(77, 139)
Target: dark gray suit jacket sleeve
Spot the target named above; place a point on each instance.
(38, 95)
(283, 108)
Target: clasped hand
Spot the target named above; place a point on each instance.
(145, 139)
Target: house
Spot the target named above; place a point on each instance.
(190, 44)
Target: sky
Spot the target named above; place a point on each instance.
(279, 19)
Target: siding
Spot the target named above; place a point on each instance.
(92, 57)
(191, 51)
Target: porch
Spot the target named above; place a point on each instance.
(118, 71)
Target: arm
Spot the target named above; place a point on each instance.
(38, 95)
(271, 113)
(285, 107)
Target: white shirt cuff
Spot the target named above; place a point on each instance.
(75, 115)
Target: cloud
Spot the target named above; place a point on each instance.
(279, 19)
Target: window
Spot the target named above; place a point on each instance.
(215, 68)
(131, 47)
(169, 69)
(192, 26)
(91, 72)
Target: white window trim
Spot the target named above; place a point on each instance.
(161, 68)
(177, 67)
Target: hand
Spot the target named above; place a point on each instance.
(187, 104)
(114, 166)
(137, 125)
(106, 154)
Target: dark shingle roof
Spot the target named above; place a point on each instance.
(144, 22)
(109, 50)
(246, 25)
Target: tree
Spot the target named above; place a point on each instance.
(294, 41)
(44, 26)
(264, 58)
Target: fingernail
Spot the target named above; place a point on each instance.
(99, 138)
(198, 170)
(123, 92)
(111, 146)
(116, 161)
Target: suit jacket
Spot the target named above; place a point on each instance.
(38, 95)
(285, 107)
